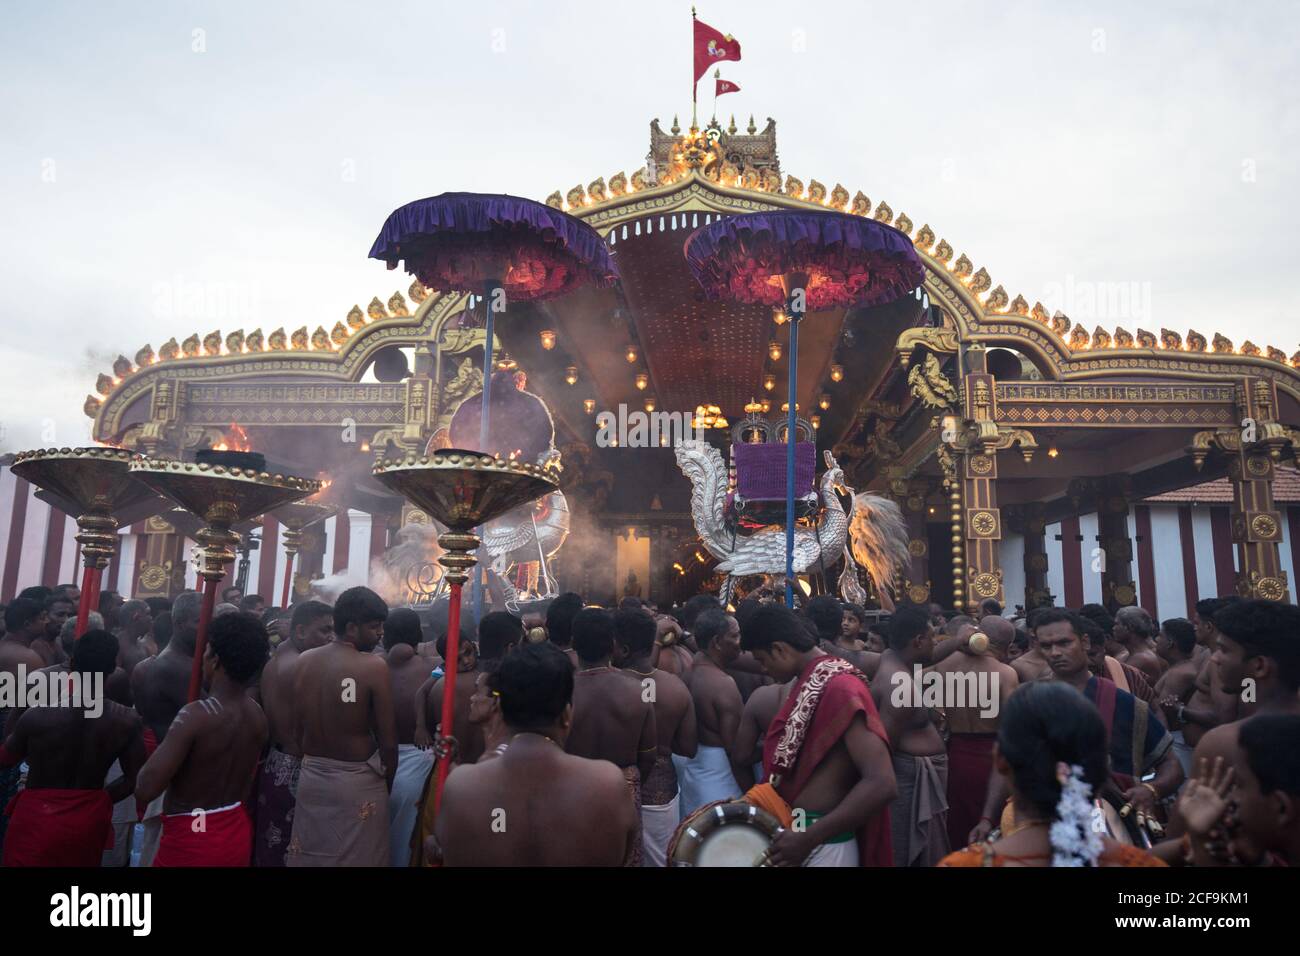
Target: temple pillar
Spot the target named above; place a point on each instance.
(1029, 521)
(914, 580)
(160, 561)
(1257, 528)
(1117, 587)
(983, 529)
(310, 564)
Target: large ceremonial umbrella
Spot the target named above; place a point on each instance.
(802, 262)
(502, 247)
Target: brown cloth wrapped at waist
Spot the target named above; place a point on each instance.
(341, 815)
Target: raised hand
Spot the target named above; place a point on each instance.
(1204, 800)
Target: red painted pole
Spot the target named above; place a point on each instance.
(288, 579)
(83, 606)
(448, 690)
(201, 641)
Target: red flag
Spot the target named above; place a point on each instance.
(712, 47)
(725, 86)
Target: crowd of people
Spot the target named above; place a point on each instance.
(584, 735)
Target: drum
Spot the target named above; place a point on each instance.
(732, 833)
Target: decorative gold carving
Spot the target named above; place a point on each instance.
(1222, 344)
(356, 318)
(397, 305)
(1270, 589)
(1100, 338)
(883, 213)
(936, 340)
(980, 464)
(418, 292)
(919, 593)
(299, 339)
(339, 334)
(1195, 341)
(555, 200)
(985, 584)
(1145, 339)
(924, 237)
(930, 385)
(1125, 595)
(917, 547)
(153, 577)
(190, 347)
(1123, 338)
(278, 340)
(793, 187)
(253, 342)
(235, 342)
(984, 524)
(943, 252)
(816, 191)
(144, 357)
(903, 224)
(1264, 527)
(376, 310)
(962, 267)
(982, 281)
(212, 343)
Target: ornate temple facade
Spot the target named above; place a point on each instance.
(1037, 460)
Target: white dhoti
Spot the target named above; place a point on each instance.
(704, 778)
(153, 823)
(1183, 751)
(125, 816)
(834, 854)
(658, 823)
(413, 766)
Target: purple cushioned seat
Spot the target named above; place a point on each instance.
(760, 470)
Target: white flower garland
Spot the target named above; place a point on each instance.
(1074, 843)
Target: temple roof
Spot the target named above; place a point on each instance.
(1286, 489)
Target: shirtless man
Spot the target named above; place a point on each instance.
(205, 764)
(973, 727)
(1258, 659)
(827, 753)
(746, 754)
(57, 610)
(311, 626)
(1135, 630)
(919, 814)
(1210, 704)
(408, 672)
(485, 711)
(559, 621)
(1177, 648)
(612, 719)
(64, 816)
(672, 655)
(535, 804)
(634, 637)
(428, 704)
(1031, 665)
(135, 621)
(160, 688)
(828, 616)
(707, 776)
(347, 731)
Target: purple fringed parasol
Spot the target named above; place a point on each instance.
(460, 242)
(849, 261)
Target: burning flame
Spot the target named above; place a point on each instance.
(236, 439)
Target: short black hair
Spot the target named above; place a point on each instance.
(225, 592)
(989, 607)
(162, 628)
(95, 652)
(250, 601)
(58, 598)
(21, 612)
(1207, 608)
(402, 626)
(1055, 615)
(856, 610)
(827, 615)
(534, 685)
(239, 643)
(709, 624)
(635, 630)
(308, 612)
(357, 606)
(440, 645)
(37, 592)
(775, 624)
(1266, 629)
(906, 625)
(1090, 630)
(630, 603)
(1269, 741)
(695, 607)
(497, 632)
(559, 618)
(1098, 615)
(593, 634)
(1181, 633)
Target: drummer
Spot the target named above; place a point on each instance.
(826, 755)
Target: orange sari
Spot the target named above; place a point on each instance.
(983, 854)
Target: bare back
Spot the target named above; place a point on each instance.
(337, 690)
(66, 750)
(718, 705)
(407, 670)
(982, 674)
(611, 720)
(160, 687)
(277, 686)
(219, 743)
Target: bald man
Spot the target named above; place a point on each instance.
(988, 682)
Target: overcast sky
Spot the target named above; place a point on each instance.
(253, 149)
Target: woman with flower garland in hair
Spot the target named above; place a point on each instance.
(1052, 750)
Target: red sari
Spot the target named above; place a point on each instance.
(825, 699)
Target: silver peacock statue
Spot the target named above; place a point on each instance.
(876, 528)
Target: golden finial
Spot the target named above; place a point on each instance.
(981, 281)
(903, 224)
(1170, 340)
(816, 191)
(924, 237)
(253, 341)
(1019, 305)
(1100, 338)
(731, 126)
(235, 342)
(299, 339)
(676, 128)
(1123, 338)
(145, 356)
(190, 347)
(1249, 348)
(91, 406)
(555, 200)
(1221, 343)
(212, 342)
(122, 367)
(576, 198)
(339, 333)
(356, 318)
(752, 129)
(943, 251)
(320, 340)
(793, 187)
(997, 300)
(1079, 338)
(839, 197)
(1145, 339)
(596, 190)
(169, 349)
(1039, 313)
(1061, 323)
(883, 213)
(397, 305)
(1277, 355)
(418, 292)
(617, 184)
(963, 266)
(376, 310)
(861, 204)
(104, 384)
(1195, 341)
(278, 341)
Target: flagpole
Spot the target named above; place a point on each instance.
(695, 83)
(717, 75)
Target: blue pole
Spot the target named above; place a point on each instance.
(489, 293)
(790, 436)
